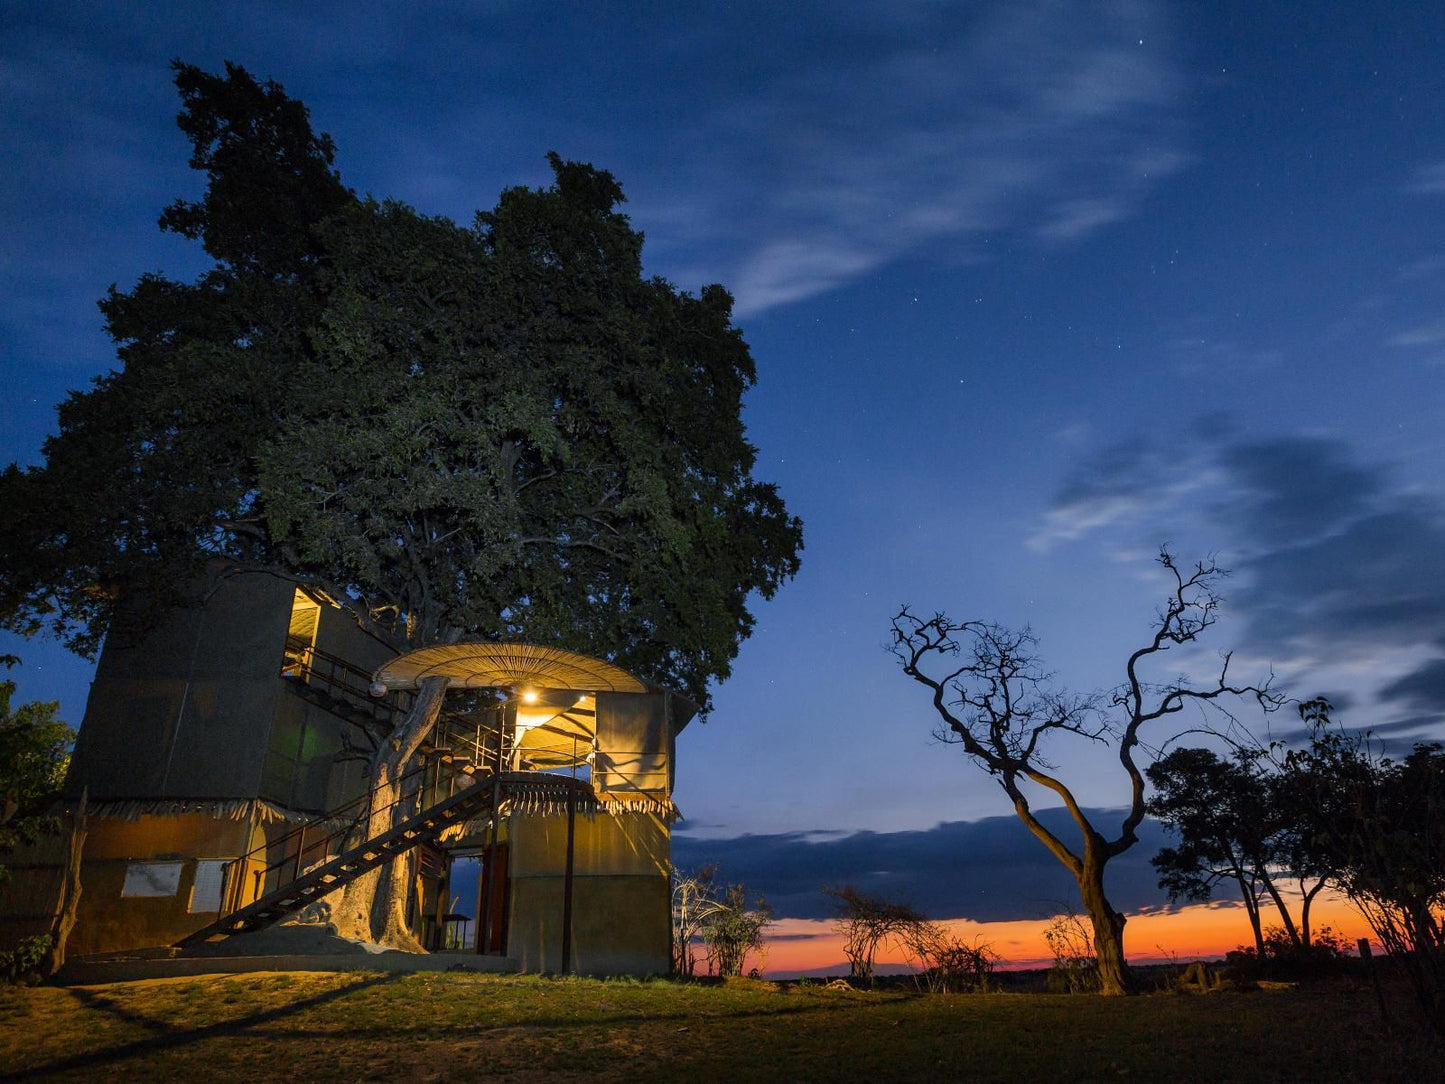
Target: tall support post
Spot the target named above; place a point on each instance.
(567, 878)
(485, 917)
(300, 850)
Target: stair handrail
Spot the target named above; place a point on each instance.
(353, 682)
(361, 807)
(334, 873)
(396, 703)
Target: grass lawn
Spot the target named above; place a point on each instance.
(356, 1026)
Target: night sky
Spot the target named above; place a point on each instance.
(1032, 288)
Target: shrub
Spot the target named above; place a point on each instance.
(1075, 969)
(21, 965)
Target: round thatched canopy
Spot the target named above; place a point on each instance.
(498, 666)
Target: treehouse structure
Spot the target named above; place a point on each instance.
(224, 755)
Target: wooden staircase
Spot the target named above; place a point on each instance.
(422, 827)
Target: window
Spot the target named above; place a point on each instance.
(209, 885)
(153, 879)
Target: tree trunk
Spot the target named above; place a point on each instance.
(1250, 895)
(371, 907)
(1289, 927)
(397, 880)
(1114, 977)
(67, 906)
(1304, 913)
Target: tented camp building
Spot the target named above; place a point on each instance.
(223, 755)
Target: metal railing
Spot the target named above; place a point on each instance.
(455, 737)
(325, 836)
(344, 682)
(459, 750)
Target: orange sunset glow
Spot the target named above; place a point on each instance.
(1199, 931)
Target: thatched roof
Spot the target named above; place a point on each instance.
(498, 666)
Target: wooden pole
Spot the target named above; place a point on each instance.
(300, 850)
(1364, 946)
(484, 905)
(567, 879)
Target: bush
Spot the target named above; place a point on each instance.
(1075, 969)
(1324, 957)
(734, 929)
(21, 965)
(963, 969)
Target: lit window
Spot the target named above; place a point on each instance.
(300, 635)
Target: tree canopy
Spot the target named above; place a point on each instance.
(1235, 821)
(34, 754)
(1377, 827)
(503, 429)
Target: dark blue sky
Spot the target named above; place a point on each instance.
(1032, 287)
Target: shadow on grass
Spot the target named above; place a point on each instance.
(454, 1029)
(255, 1025)
(171, 1036)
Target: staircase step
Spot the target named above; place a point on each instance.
(334, 872)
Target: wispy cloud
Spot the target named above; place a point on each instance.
(1431, 333)
(1076, 218)
(1118, 486)
(924, 135)
(1428, 180)
(792, 151)
(1427, 267)
(1342, 569)
(1195, 357)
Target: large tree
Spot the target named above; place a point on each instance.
(1235, 821)
(993, 698)
(502, 430)
(1377, 825)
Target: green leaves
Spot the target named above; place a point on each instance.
(34, 755)
(269, 177)
(503, 429)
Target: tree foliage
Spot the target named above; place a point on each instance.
(733, 929)
(503, 429)
(1377, 825)
(993, 697)
(34, 755)
(867, 922)
(1235, 821)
